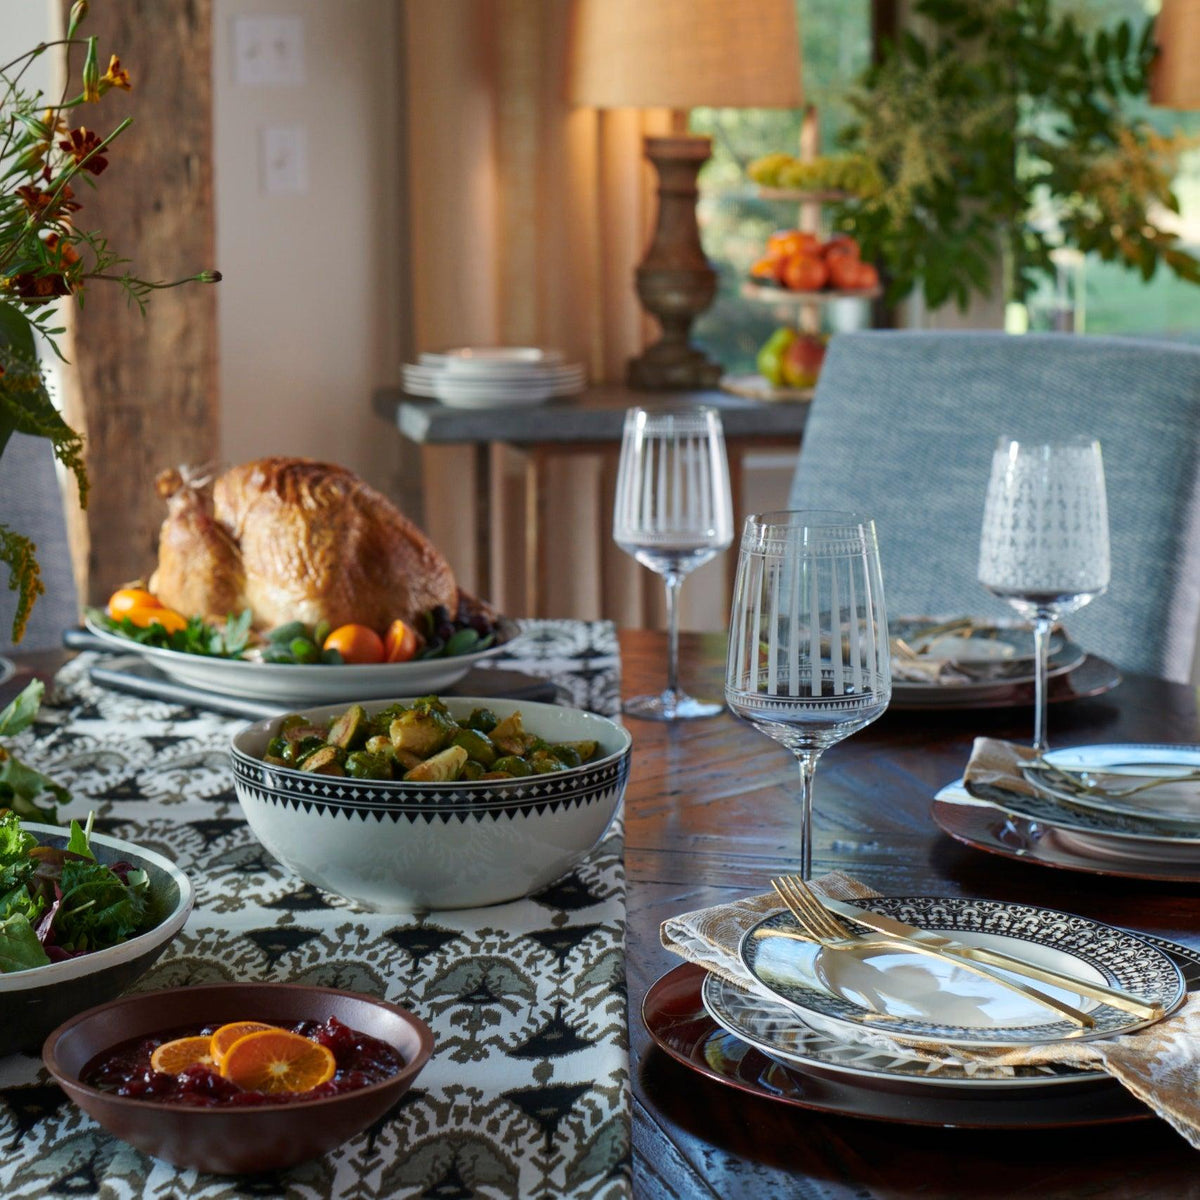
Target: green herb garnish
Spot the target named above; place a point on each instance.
(197, 637)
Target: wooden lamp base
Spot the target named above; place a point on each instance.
(675, 282)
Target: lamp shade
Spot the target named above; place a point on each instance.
(1175, 76)
(684, 54)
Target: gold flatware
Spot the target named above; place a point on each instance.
(1125, 1001)
(824, 928)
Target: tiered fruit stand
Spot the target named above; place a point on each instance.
(800, 309)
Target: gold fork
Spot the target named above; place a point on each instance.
(821, 926)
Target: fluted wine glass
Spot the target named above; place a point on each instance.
(1044, 546)
(809, 660)
(673, 512)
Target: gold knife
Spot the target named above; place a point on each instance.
(1135, 1005)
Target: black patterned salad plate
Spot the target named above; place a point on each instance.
(903, 996)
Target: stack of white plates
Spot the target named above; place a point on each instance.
(493, 376)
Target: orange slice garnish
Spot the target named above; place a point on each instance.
(176, 1056)
(274, 1060)
(228, 1034)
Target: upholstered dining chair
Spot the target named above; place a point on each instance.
(31, 503)
(903, 427)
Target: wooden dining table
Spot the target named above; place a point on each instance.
(711, 815)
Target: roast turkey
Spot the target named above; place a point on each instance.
(294, 540)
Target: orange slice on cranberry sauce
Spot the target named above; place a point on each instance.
(173, 1057)
(228, 1034)
(274, 1060)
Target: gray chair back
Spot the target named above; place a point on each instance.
(31, 503)
(903, 427)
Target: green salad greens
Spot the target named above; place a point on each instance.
(197, 637)
(25, 791)
(57, 903)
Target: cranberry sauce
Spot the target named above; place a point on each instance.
(125, 1069)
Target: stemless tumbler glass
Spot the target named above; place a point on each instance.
(673, 512)
(808, 661)
(1044, 546)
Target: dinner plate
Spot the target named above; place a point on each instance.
(999, 675)
(986, 827)
(1154, 836)
(1112, 770)
(979, 644)
(7, 669)
(905, 996)
(674, 1015)
(773, 1027)
(1092, 677)
(295, 684)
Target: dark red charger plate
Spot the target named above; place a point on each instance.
(673, 1013)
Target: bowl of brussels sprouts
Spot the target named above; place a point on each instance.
(422, 803)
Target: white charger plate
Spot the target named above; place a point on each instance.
(924, 999)
(771, 1026)
(295, 684)
(987, 827)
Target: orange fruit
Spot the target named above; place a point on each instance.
(228, 1034)
(122, 600)
(401, 642)
(356, 644)
(805, 273)
(145, 615)
(184, 1052)
(787, 242)
(274, 1060)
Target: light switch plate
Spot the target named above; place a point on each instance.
(268, 51)
(285, 160)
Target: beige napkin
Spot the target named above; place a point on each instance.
(908, 669)
(995, 768)
(1160, 1065)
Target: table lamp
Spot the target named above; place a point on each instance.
(1175, 75)
(681, 54)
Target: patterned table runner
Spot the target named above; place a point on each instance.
(527, 1093)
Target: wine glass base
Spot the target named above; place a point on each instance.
(671, 707)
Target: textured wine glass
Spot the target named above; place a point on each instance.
(673, 512)
(809, 660)
(1044, 546)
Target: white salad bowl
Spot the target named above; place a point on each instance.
(34, 1001)
(399, 846)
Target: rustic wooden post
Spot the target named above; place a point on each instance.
(144, 388)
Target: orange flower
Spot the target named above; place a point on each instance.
(81, 142)
(37, 200)
(65, 252)
(115, 77)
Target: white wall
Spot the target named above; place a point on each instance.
(311, 305)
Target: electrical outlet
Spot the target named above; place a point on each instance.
(268, 51)
(285, 160)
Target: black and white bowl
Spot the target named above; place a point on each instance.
(397, 846)
(33, 1002)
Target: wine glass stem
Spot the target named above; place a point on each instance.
(1043, 622)
(674, 582)
(808, 765)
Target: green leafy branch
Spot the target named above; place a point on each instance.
(1004, 131)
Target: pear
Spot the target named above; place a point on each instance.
(771, 355)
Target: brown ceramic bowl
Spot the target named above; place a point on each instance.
(229, 1141)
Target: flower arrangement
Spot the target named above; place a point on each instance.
(49, 155)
